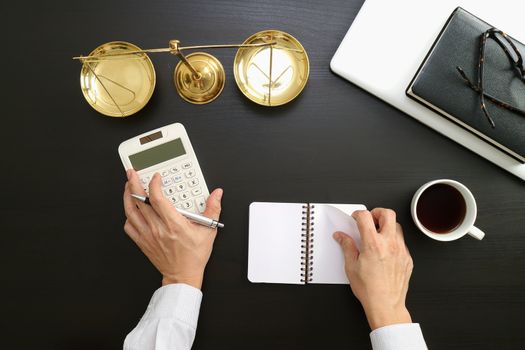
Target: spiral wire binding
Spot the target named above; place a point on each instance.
(307, 243)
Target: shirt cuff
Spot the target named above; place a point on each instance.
(405, 336)
(179, 301)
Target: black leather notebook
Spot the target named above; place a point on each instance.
(438, 85)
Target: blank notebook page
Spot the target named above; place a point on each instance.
(327, 256)
(274, 247)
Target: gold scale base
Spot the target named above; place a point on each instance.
(204, 86)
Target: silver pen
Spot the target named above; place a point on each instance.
(199, 219)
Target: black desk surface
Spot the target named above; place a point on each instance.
(71, 279)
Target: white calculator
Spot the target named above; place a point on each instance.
(168, 151)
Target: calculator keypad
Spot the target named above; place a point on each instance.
(180, 185)
(170, 191)
(196, 191)
(201, 203)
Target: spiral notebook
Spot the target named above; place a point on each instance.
(292, 242)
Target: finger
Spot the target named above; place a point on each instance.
(365, 224)
(133, 178)
(401, 241)
(132, 232)
(350, 250)
(400, 237)
(213, 204)
(386, 219)
(161, 205)
(136, 237)
(399, 232)
(132, 213)
(147, 211)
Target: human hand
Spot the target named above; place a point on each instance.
(380, 272)
(177, 247)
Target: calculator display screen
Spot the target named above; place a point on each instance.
(158, 154)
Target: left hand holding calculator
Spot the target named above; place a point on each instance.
(177, 248)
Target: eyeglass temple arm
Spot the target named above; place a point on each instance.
(493, 99)
(518, 64)
(481, 74)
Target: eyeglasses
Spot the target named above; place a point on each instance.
(118, 78)
(516, 60)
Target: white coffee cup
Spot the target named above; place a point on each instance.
(466, 226)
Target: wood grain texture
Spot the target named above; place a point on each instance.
(70, 277)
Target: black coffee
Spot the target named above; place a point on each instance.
(441, 208)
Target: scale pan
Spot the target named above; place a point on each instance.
(117, 86)
(271, 75)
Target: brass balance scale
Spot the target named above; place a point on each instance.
(271, 68)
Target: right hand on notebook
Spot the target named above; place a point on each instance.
(380, 272)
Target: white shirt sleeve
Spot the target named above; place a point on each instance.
(403, 336)
(170, 321)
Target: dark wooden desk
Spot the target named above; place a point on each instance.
(70, 277)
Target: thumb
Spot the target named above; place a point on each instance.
(350, 250)
(213, 205)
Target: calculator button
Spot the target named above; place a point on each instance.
(145, 180)
(201, 203)
(196, 191)
(186, 165)
(164, 173)
(193, 182)
(181, 187)
(187, 205)
(177, 178)
(184, 196)
(166, 182)
(170, 191)
(173, 199)
(190, 173)
(179, 206)
(174, 169)
(145, 189)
